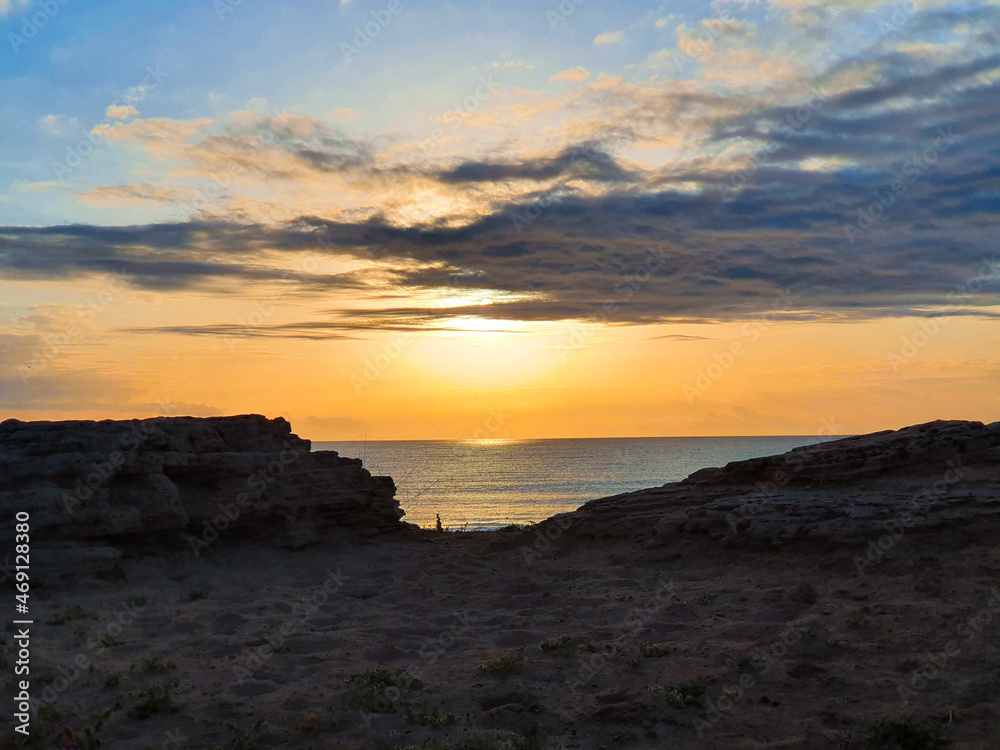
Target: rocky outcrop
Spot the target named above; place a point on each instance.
(244, 475)
(939, 476)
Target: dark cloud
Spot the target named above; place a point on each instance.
(587, 161)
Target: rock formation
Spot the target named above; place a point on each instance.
(246, 475)
(940, 476)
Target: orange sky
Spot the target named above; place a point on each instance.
(545, 379)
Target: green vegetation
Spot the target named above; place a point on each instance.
(858, 620)
(505, 664)
(156, 699)
(379, 690)
(87, 738)
(244, 740)
(74, 613)
(309, 725)
(481, 741)
(382, 677)
(156, 665)
(742, 663)
(653, 650)
(504, 741)
(903, 734)
(682, 694)
(435, 717)
(561, 644)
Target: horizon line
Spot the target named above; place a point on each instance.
(609, 437)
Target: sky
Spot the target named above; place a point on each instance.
(485, 220)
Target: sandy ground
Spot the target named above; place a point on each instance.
(456, 640)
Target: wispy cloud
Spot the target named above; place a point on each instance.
(573, 75)
(121, 112)
(609, 37)
(7, 7)
(59, 125)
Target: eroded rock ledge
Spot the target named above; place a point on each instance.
(245, 475)
(935, 477)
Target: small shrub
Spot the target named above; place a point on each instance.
(196, 595)
(156, 665)
(309, 725)
(682, 694)
(156, 699)
(379, 690)
(86, 739)
(858, 620)
(504, 664)
(383, 677)
(244, 740)
(903, 734)
(654, 650)
(505, 741)
(742, 663)
(72, 614)
(435, 717)
(560, 644)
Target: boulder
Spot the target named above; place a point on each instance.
(244, 475)
(937, 477)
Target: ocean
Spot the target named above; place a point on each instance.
(486, 484)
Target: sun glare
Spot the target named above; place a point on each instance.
(486, 353)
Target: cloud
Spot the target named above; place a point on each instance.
(139, 193)
(746, 216)
(309, 331)
(586, 161)
(510, 65)
(7, 7)
(157, 130)
(121, 112)
(59, 126)
(573, 75)
(609, 37)
(38, 187)
(345, 113)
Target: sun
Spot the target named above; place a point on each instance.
(475, 351)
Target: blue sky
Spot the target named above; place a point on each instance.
(217, 58)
